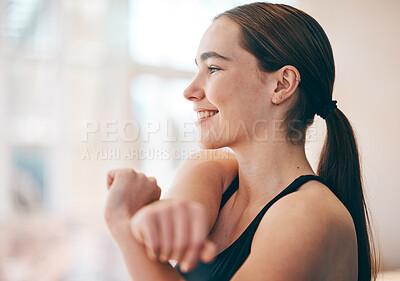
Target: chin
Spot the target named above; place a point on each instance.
(203, 145)
(207, 143)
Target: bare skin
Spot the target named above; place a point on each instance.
(310, 233)
(134, 220)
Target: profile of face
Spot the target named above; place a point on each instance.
(229, 93)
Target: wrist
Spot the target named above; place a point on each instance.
(116, 217)
(118, 221)
(119, 228)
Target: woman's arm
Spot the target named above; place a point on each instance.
(129, 191)
(198, 187)
(177, 227)
(203, 178)
(137, 261)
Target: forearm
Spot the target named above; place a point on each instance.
(139, 265)
(198, 188)
(203, 178)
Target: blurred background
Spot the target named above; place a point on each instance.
(92, 85)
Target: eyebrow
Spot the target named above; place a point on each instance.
(208, 55)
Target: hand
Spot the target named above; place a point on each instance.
(129, 191)
(174, 229)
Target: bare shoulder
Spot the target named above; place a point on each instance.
(207, 166)
(224, 161)
(313, 203)
(309, 232)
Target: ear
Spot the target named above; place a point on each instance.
(286, 81)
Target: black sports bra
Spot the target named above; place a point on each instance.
(231, 259)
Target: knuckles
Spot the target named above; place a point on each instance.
(177, 249)
(130, 177)
(130, 174)
(180, 246)
(143, 216)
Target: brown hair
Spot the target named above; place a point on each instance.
(279, 35)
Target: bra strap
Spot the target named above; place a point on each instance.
(294, 186)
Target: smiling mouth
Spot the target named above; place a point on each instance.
(201, 115)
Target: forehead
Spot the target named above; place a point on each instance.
(221, 37)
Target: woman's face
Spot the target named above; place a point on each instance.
(229, 93)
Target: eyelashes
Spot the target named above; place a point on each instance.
(213, 69)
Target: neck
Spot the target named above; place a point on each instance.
(266, 168)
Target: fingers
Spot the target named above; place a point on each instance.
(198, 235)
(181, 232)
(152, 179)
(110, 178)
(151, 241)
(111, 175)
(174, 230)
(135, 227)
(208, 252)
(148, 236)
(131, 176)
(166, 232)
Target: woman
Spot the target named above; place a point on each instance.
(264, 71)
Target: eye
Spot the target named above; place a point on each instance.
(213, 69)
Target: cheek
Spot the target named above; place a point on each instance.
(235, 93)
(225, 89)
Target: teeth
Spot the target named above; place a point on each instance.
(205, 114)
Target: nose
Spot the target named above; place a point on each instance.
(194, 91)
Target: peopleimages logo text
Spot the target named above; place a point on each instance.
(169, 131)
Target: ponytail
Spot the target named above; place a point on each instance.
(339, 166)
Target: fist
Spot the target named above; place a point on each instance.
(174, 229)
(129, 191)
